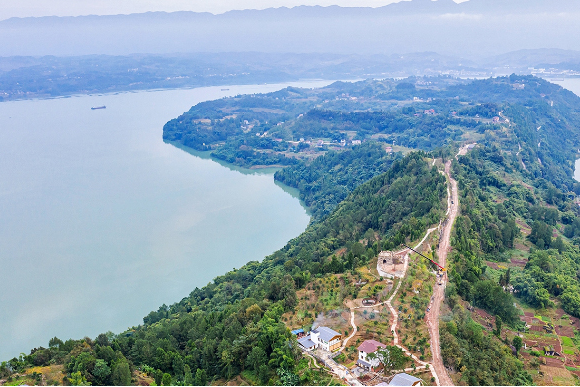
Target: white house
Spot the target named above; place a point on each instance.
(367, 347)
(322, 337)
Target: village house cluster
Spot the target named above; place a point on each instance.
(329, 340)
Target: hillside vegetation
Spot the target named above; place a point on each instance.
(232, 326)
(515, 244)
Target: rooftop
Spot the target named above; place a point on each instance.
(326, 333)
(306, 342)
(404, 380)
(370, 346)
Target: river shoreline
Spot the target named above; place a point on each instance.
(130, 222)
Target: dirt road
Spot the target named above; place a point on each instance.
(395, 315)
(439, 291)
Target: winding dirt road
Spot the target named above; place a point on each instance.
(439, 291)
(436, 367)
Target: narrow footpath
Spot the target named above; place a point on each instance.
(436, 368)
(395, 315)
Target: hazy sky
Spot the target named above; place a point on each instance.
(23, 8)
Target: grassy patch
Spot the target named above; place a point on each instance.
(250, 377)
(566, 341)
(19, 381)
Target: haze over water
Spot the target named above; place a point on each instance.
(572, 84)
(102, 222)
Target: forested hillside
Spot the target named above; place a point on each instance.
(510, 247)
(330, 178)
(515, 247)
(233, 325)
(531, 120)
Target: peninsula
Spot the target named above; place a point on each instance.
(475, 176)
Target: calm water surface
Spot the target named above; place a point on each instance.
(572, 84)
(101, 222)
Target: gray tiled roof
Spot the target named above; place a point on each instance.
(306, 342)
(326, 333)
(403, 380)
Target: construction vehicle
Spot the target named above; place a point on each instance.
(440, 268)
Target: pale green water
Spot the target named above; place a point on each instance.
(572, 84)
(101, 222)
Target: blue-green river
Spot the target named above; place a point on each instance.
(102, 222)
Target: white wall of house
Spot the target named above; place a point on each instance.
(315, 337)
(362, 355)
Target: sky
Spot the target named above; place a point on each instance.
(25, 8)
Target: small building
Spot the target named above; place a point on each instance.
(549, 351)
(404, 379)
(495, 119)
(389, 149)
(306, 343)
(364, 350)
(322, 337)
(356, 142)
(391, 264)
(299, 333)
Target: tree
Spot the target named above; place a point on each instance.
(558, 244)
(55, 342)
(106, 353)
(122, 374)
(5, 370)
(287, 377)
(256, 358)
(254, 313)
(392, 358)
(188, 378)
(77, 379)
(158, 377)
(166, 381)
(264, 374)
(101, 372)
(498, 322)
(517, 343)
(200, 377)
(103, 339)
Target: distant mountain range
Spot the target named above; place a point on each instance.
(51, 76)
(474, 29)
